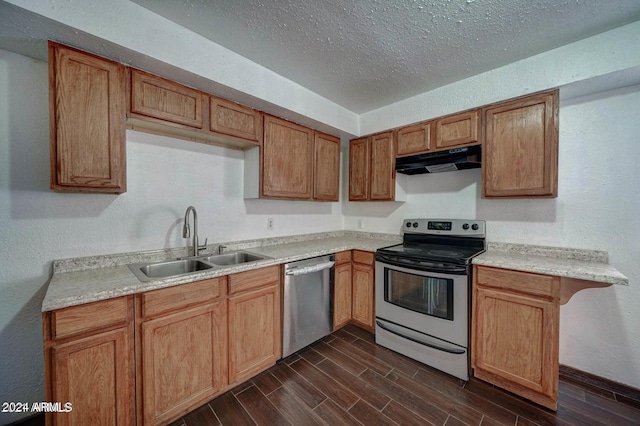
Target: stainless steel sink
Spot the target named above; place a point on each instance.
(233, 258)
(171, 268)
(175, 268)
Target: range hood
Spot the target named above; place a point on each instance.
(468, 157)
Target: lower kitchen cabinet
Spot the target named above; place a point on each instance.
(342, 290)
(255, 338)
(363, 278)
(515, 332)
(88, 351)
(183, 356)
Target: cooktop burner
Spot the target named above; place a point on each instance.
(440, 240)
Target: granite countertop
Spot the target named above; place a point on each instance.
(590, 265)
(90, 279)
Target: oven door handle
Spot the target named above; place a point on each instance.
(420, 341)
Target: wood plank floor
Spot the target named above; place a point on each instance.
(346, 379)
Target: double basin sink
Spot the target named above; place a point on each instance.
(179, 267)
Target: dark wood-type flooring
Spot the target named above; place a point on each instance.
(346, 379)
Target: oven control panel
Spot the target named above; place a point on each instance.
(454, 227)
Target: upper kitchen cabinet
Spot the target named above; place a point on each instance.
(326, 166)
(287, 160)
(372, 175)
(161, 106)
(520, 155)
(165, 100)
(415, 139)
(229, 118)
(359, 169)
(293, 163)
(457, 130)
(87, 122)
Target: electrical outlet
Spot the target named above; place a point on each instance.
(360, 223)
(270, 223)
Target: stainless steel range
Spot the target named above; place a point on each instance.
(422, 292)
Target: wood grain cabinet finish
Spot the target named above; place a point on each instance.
(362, 309)
(415, 139)
(458, 130)
(87, 122)
(184, 361)
(91, 366)
(326, 167)
(372, 168)
(515, 329)
(359, 169)
(163, 99)
(182, 349)
(520, 155)
(287, 160)
(254, 324)
(233, 119)
(342, 290)
(383, 167)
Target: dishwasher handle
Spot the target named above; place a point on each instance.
(309, 269)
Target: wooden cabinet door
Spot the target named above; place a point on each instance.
(342, 295)
(287, 160)
(254, 332)
(184, 361)
(520, 155)
(362, 310)
(96, 375)
(515, 338)
(458, 130)
(165, 100)
(87, 122)
(359, 169)
(229, 118)
(414, 139)
(383, 173)
(326, 182)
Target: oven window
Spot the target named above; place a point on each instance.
(419, 293)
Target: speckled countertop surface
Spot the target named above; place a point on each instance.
(90, 279)
(581, 264)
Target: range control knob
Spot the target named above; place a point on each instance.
(415, 224)
(475, 226)
(465, 226)
(408, 224)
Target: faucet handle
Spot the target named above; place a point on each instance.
(204, 246)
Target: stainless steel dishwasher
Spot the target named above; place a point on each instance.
(307, 302)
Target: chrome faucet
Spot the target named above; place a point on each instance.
(186, 230)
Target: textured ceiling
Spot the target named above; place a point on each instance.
(365, 54)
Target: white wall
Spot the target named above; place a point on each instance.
(598, 207)
(164, 177)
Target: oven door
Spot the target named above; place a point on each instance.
(429, 302)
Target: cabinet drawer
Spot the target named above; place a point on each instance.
(88, 317)
(253, 279)
(179, 296)
(523, 282)
(343, 257)
(365, 257)
(165, 100)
